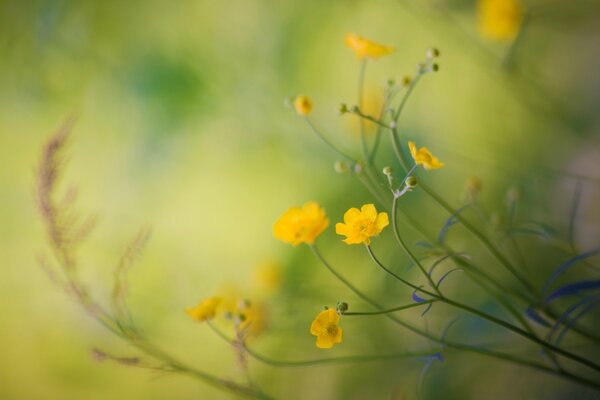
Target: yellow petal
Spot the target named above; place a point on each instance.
(352, 215)
(382, 221)
(369, 212)
(325, 342)
(413, 150)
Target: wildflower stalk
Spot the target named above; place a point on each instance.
(361, 81)
(391, 310)
(318, 361)
(452, 344)
(326, 141)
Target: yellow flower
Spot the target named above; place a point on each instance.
(301, 224)
(325, 328)
(499, 19)
(365, 48)
(303, 105)
(423, 157)
(205, 310)
(360, 225)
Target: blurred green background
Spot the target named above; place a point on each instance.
(181, 127)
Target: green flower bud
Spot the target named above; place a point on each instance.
(387, 171)
(341, 167)
(342, 307)
(342, 109)
(411, 181)
(432, 52)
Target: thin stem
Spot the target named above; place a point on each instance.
(406, 249)
(326, 141)
(411, 86)
(404, 307)
(395, 276)
(361, 80)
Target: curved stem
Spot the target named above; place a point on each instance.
(326, 141)
(406, 249)
(361, 81)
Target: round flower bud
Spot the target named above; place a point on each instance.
(435, 67)
(303, 105)
(342, 109)
(341, 167)
(432, 52)
(390, 82)
(406, 80)
(387, 171)
(342, 307)
(358, 168)
(411, 181)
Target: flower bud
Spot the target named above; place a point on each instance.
(432, 52)
(411, 181)
(303, 105)
(435, 67)
(406, 80)
(390, 83)
(355, 109)
(358, 167)
(342, 307)
(341, 167)
(387, 171)
(342, 109)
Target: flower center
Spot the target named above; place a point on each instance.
(331, 329)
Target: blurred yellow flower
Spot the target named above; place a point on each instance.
(360, 225)
(423, 157)
(301, 224)
(325, 328)
(303, 105)
(205, 310)
(252, 318)
(499, 19)
(365, 48)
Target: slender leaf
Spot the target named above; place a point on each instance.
(565, 266)
(572, 289)
(534, 316)
(449, 222)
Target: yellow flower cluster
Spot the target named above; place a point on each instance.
(499, 19)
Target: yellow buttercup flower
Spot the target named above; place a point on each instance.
(499, 19)
(325, 328)
(365, 48)
(303, 105)
(360, 225)
(205, 310)
(423, 157)
(301, 224)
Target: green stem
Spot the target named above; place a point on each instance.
(404, 307)
(327, 142)
(406, 249)
(361, 81)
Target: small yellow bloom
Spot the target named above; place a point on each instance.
(301, 224)
(205, 310)
(303, 105)
(325, 328)
(360, 225)
(499, 19)
(365, 48)
(423, 157)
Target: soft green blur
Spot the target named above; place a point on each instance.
(181, 127)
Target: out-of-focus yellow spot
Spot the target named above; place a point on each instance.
(365, 48)
(499, 19)
(303, 105)
(268, 277)
(205, 310)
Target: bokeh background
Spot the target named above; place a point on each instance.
(181, 127)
